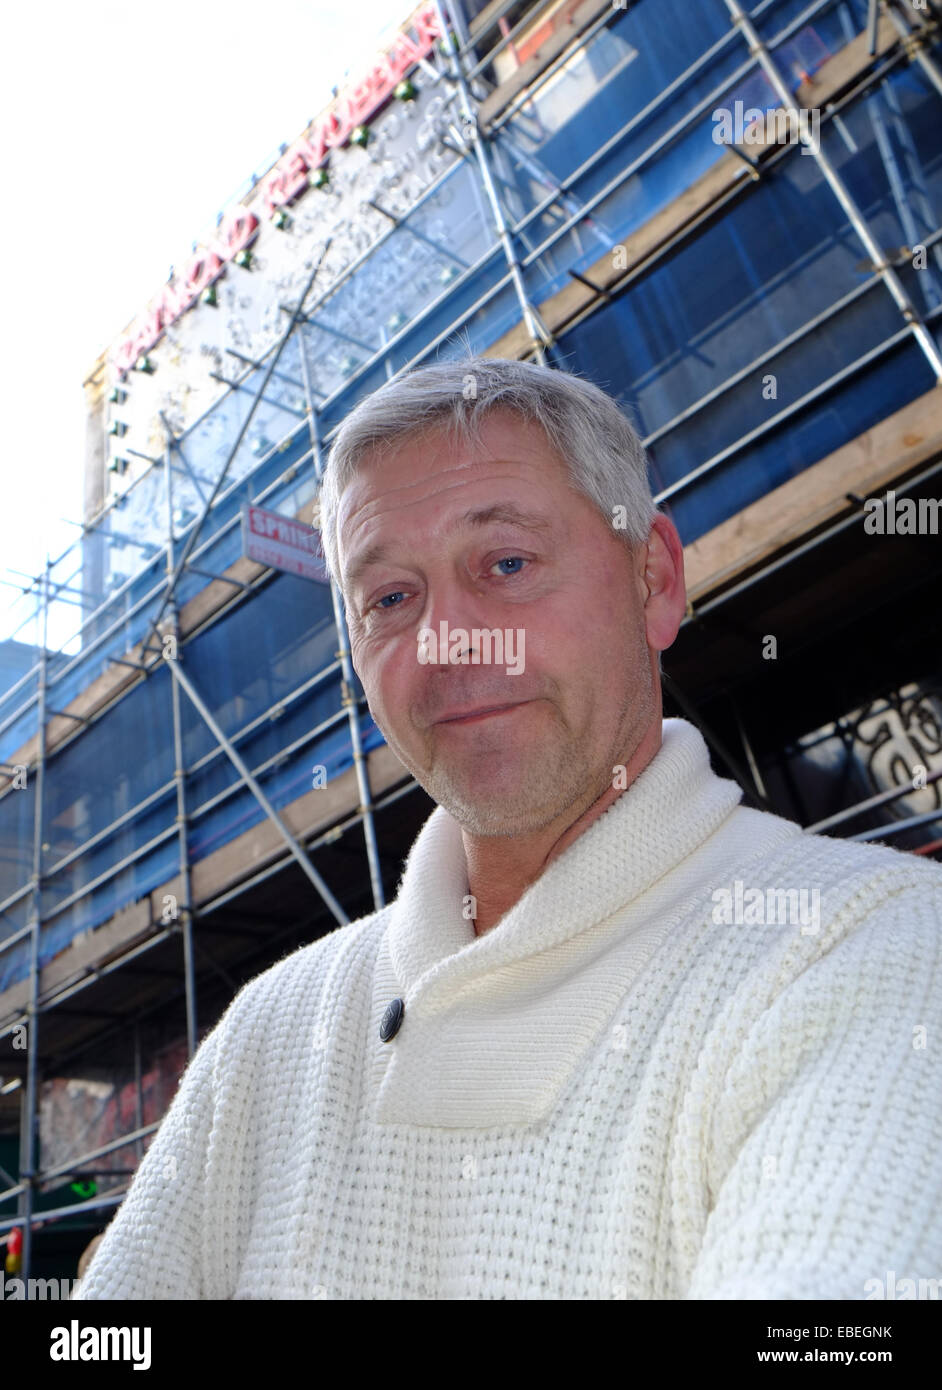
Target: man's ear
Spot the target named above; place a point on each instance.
(664, 590)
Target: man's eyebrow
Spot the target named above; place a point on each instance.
(506, 512)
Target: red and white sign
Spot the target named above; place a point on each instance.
(353, 107)
(287, 180)
(283, 543)
(238, 229)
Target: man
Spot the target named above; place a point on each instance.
(566, 1062)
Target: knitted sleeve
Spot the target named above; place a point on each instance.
(823, 1172)
(152, 1248)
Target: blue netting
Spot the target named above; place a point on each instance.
(780, 256)
(249, 662)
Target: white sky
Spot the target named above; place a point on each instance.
(125, 127)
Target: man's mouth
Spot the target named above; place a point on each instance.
(483, 712)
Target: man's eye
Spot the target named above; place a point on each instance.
(382, 603)
(397, 593)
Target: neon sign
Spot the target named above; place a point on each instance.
(287, 180)
(238, 230)
(353, 107)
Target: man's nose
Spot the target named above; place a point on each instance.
(456, 604)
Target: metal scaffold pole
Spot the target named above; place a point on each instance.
(917, 37)
(29, 1137)
(174, 665)
(346, 665)
(856, 218)
(184, 909)
(539, 333)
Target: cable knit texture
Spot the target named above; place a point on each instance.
(614, 1093)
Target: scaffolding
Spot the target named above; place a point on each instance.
(547, 270)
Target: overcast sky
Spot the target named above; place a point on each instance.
(125, 128)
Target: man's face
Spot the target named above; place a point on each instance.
(566, 582)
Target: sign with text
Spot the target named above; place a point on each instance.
(289, 177)
(282, 543)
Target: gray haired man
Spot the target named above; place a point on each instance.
(551, 1069)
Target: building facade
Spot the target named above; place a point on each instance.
(731, 222)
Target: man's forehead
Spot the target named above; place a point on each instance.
(504, 438)
(431, 464)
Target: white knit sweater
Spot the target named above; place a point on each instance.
(610, 1094)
